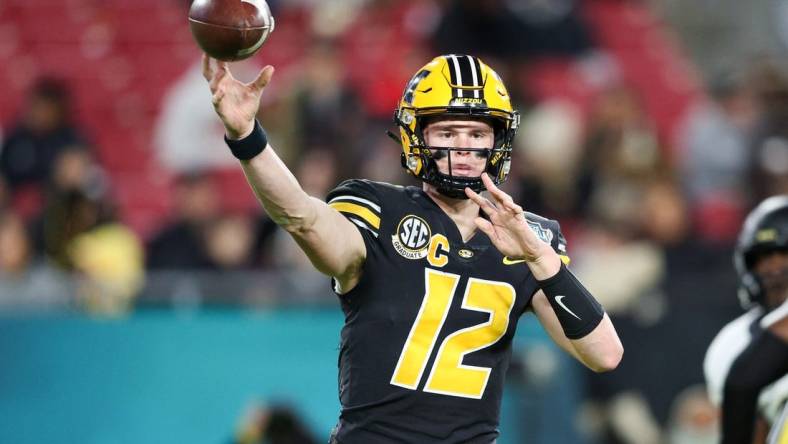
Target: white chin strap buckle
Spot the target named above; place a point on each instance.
(412, 162)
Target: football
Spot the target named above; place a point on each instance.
(230, 29)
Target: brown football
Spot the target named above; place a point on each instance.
(230, 29)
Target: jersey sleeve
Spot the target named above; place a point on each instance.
(359, 202)
(723, 351)
(549, 230)
(764, 361)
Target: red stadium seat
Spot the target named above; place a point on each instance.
(647, 60)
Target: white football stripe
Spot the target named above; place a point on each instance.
(459, 75)
(474, 76)
(364, 226)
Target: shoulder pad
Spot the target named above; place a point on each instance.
(359, 201)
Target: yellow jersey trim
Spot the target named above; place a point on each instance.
(357, 210)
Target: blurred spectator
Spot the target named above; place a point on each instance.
(621, 150)
(693, 418)
(317, 172)
(15, 250)
(664, 216)
(626, 419)
(548, 163)
(78, 231)
(109, 261)
(485, 29)
(621, 254)
(330, 19)
(509, 29)
(380, 155)
(603, 250)
(716, 158)
(202, 254)
(43, 132)
(229, 242)
(325, 105)
(4, 194)
(769, 172)
(382, 31)
(274, 424)
(187, 135)
(627, 236)
(179, 244)
(76, 201)
(25, 282)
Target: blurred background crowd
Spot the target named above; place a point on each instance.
(650, 128)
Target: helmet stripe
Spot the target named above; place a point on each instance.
(480, 81)
(452, 72)
(457, 77)
(474, 76)
(465, 71)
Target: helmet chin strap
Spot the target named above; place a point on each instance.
(452, 193)
(450, 185)
(454, 187)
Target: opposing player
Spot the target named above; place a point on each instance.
(746, 365)
(432, 280)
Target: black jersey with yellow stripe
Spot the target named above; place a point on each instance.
(428, 328)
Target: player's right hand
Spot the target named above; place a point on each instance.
(235, 102)
(509, 231)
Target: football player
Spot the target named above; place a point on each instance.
(746, 365)
(432, 279)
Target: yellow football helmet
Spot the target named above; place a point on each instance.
(455, 85)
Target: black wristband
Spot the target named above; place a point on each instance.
(577, 310)
(249, 146)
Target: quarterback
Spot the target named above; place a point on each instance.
(432, 279)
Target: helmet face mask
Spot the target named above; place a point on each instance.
(463, 87)
(765, 230)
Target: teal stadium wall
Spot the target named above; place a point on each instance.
(166, 376)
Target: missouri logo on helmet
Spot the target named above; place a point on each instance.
(455, 85)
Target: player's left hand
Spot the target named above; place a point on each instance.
(508, 230)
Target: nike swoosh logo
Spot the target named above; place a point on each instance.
(558, 300)
(507, 261)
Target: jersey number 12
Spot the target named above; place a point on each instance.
(448, 375)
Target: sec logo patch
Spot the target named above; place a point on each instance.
(412, 238)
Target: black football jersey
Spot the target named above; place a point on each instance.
(729, 353)
(428, 328)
